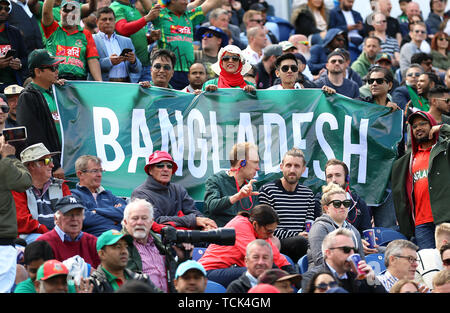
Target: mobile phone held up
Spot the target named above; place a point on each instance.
(125, 51)
(15, 134)
(10, 53)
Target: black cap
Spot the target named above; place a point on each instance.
(68, 203)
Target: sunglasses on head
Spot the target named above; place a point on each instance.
(5, 108)
(325, 286)
(158, 66)
(46, 161)
(233, 58)
(345, 249)
(52, 68)
(378, 80)
(337, 203)
(285, 68)
(161, 165)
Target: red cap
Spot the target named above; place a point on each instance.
(51, 268)
(263, 288)
(160, 156)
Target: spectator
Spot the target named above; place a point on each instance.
(380, 82)
(66, 238)
(400, 259)
(212, 39)
(384, 60)
(230, 67)
(311, 18)
(190, 277)
(348, 20)
(104, 211)
(335, 207)
(256, 43)
(13, 68)
(36, 106)
(388, 44)
(445, 254)
(177, 28)
(35, 254)
(441, 282)
(287, 69)
(271, 29)
(359, 214)
(418, 191)
(258, 258)
(418, 34)
(321, 282)
(162, 69)
(424, 59)
(436, 17)
(224, 264)
(173, 205)
(440, 51)
(430, 261)
(251, 18)
(265, 76)
(112, 272)
(336, 77)
(12, 94)
(371, 48)
(334, 38)
(4, 109)
(35, 206)
(405, 286)
(115, 66)
(425, 82)
(282, 280)
(130, 23)
(76, 59)
(412, 9)
(220, 18)
(393, 25)
(228, 192)
(302, 44)
(402, 18)
(403, 94)
(439, 104)
(349, 72)
(15, 177)
(196, 77)
(293, 202)
(337, 246)
(51, 277)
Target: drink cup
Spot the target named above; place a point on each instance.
(369, 236)
(354, 260)
(308, 225)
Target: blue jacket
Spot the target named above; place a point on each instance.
(401, 96)
(319, 52)
(102, 214)
(337, 19)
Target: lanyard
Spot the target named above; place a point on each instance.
(239, 189)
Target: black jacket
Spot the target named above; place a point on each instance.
(240, 285)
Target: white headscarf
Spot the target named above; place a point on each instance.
(246, 66)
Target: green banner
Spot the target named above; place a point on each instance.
(124, 123)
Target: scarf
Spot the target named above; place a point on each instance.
(231, 80)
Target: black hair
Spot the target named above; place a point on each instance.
(432, 77)
(420, 57)
(37, 250)
(263, 214)
(311, 287)
(104, 10)
(387, 73)
(438, 90)
(287, 56)
(163, 53)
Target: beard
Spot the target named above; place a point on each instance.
(140, 232)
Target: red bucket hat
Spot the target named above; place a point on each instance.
(160, 156)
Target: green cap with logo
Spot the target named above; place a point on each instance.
(112, 236)
(41, 57)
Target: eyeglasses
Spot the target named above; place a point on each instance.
(4, 7)
(380, 22)
(5, 108)
(443, 38)
(325, 286)
(52, 68)
(413, 74)
(233, 58)
(410, 259)
(159, 66)
(446, 100)
(94, 171)
(337, 203)
(420, 31)
(340, 61)
(285, 68)
(207, 35)
(161, 165)
(419, 124)
(345, 249)
(257, 21)
(378, 80)
(46, 161)
(446, 262)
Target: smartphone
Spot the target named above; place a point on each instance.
(125, 51)
(15, 134)
(10, 53)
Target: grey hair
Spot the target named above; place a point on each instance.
(395, 247)
(82, 162)
(136, 202)
(214, 15)
(330, 237)
(258, 242)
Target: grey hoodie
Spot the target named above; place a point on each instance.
(322, 226)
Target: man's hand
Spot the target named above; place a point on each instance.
(366, 248)
(393, 106)
(303, 234)
(153, 13)
(60, 82)
(366, 268)
(145, 84)
(59, 173)
(85, 286)
(5, 148)
(328, 90)
(433, 130)
(211, 88)
(4, 62)
(205, 223)
(249, 88)
(115, 59)
(15, 64)
(247, 190)
(130, 57)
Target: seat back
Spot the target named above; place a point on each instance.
(376, 261)
(213, 287)
(303, 264)
(386, 235)
(197, 253)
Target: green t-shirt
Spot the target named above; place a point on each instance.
(177, 34)
(215, 82)
(48, 95)
(139, 39)
(113, 279)
(27, 286)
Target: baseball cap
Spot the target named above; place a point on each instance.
(41, 57)
(12, 90)
(110, 237)
(160, 156)
(51, 268)
(383, 56)
(273, 49)
(263, 288)
(259, 6)
(9, 3)
(189, 265)
(274, 275)
(216, 30)
(300, 57)
(335, 52)
(68, 203)
(35, 152)
(286, 45)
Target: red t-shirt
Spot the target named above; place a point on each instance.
(420, 183)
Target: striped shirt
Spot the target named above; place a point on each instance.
(387, 280)
(293, 208)
(390, 46)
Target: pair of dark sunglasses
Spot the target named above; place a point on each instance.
(233, 58)
(378, 80)
(5, 108)
(337, 203)
(46, 161)
(345, 249)
(161, 165)
(324, 286)
(208, 35)
(53, 68)
(446, 262)
(158, 66)
(285, 68)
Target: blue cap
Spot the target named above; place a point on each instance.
(216, 30)
(189, 265)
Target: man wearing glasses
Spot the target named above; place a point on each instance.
(104, 211)
(35, 206)
(172, 204)
(418, 33)
(439, 101)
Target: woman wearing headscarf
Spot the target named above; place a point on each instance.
(230, 66)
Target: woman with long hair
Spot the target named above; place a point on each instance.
(440, 51)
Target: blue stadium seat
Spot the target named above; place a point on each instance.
(303, 264)
(197, 253)
(286, 28)
(376, 261)
(386, 235)
(213, 287)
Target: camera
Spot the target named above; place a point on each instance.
(220, 236)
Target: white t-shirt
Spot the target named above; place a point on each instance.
(351, 21)
(430, 264)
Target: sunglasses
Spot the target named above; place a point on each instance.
(5, 108)
(285, 68)
(4, 7)
(443, 38)
(446, 100)
(337, 203)
(345, 249)
(158, 66)
(94, 171)
(207, 35)
(340, 61)
(52, 68)
(233, 58)
(161, 165)
(413, 74)
(446, 262)
(257, 21)
(325, 286)
(46, 161)
(420, 32)
(378, 80)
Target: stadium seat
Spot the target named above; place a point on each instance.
(286, 28)
(376, 261)
(197, 253)
(213, 287)
(398, 76)
(303, 264)
(386, 235)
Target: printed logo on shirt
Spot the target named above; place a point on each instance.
(420, 175)
(68, 51)
(4, 49)
(55, 116)
(177, 29)
(79, 43)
